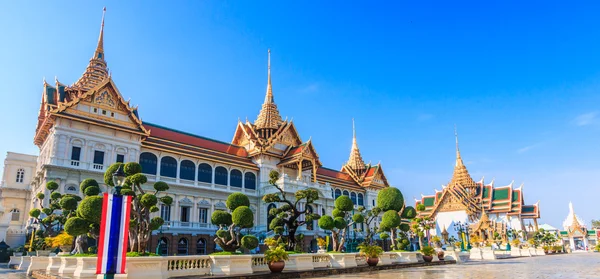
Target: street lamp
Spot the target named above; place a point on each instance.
(34, 225)
(118, 179)
(462, 228)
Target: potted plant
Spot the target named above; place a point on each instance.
(63, 241)
(437, 241)
(322, 243)
(440, 255)
(271, 242)
(19, 251)
(372, 253)
(276, 258)
(546, 248)
(457, 245)
(427, 252)
(516, 243)
(475, 240)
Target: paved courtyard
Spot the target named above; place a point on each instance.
(571, 266)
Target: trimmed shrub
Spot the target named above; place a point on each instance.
(236, 200)
(243, 217)
(390, 198)
(249, 242)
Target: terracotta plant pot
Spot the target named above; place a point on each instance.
(427, 259)
(372, 261)
(440, 256)
(276, 267)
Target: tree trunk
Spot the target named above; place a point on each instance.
(393, 239)
(291, 241)
(420, 242)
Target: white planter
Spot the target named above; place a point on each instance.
(299, 262)
(37, 263)
(86, 268)
(385, 259)
(540, 252)
(25, 262)
(525, 252)
(515, 252)
(408, 257)
(154, 267)
(487, 253)
(321, 261)
(14, 260)
(452, 255)
(343, 260)
(532, 251)
(475, 254)
(53, 265)
(67, 266)
(231, 265)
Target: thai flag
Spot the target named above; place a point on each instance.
(114, 229)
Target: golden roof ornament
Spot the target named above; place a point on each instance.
(461, 174)
(97, 69)
(269, 117)
(355, 162)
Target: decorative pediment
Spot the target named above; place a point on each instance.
(204, 203)
(186, 201)
(220, 205)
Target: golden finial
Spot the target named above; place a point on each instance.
(99, 54)
(459, 161)
(268, 117)
(355, 161)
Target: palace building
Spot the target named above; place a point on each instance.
(85, 127)
(575, 236)
(485, 207)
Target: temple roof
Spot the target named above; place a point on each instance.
(97, 70)
(355, 162)
(268, 117)
(572, 221)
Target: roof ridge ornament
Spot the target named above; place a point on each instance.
(96, 71)
(268, 117)
(355, 161)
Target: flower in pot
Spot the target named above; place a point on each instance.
(437, 241)
(64, 241)
(276, 258)
(440, 255)
(322, 243)
(516, 243)
(271, 242)
(427, 252)
(372, 253)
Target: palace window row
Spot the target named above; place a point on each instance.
(20, 175)
(357, 199)
(182, 246)
(98, 158)
(184, 214)
(187, 171)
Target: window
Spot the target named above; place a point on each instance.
(71, 188)
(165, 212)
(360, 199)
(187, 170)
(20, 175)
(184, 216)
(205, 173)
(309, 225)
(99, 157)
(15, 215)
(236, 178)
(353, 198)
(346, 193)
(95, 110)
(201, 247)
(148, 162)
(338, 193)
(203, 215)
(103, 112)
(269, 217)
(221, 176)
(373, 202)
(120, 158)
(250, 181)
(182, 246)
(112, 114)
(164, 247)
(168, 167)
(75, 153)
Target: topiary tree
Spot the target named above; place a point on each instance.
(229, 236)
(391, 202)
(86, 218)
(287, 215)
(143, 203)
(420, 225)
(390, 222)
(340, 220)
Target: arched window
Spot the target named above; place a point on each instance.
(201, 246)
(148, 162)
(71, 188)
(205, 173)
(168, 167)
(309, 225)
(187, 170)
(182, 246)
(164, 246)
(15, 215)
(346, 193)
(338, 193)
(269, 218)
(353, 198)
(221, 176)
(360, 199)
(236, 178)
(20, 175)
(250, 181)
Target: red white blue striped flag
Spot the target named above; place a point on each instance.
(114, 229)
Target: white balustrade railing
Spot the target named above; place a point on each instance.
(259, 263)
(321, 261)
(188, 265)
(361, 260)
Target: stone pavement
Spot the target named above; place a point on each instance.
(6, 273)
(567, 266)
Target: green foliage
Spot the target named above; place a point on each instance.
(370, 251)
(90, 209)
(390, 198)
(273, 177)
(154, 208)
(344, 203)
(221, 218)
(156, 222)
(249, 242)
(140, 179)
(420, 207)
(166, 200)
(326, 223)
(51, 186)
(269, 198)
(409, 212)
(309, 194)
(91, 191)
(225, 253)
(108, 179)
(87, 183)
(55, 195)
(390, 220)
(148, 200)
(47, 211)
(276, 254)
(132, 168)
(35, 213)
(222, 233)
(384, 235)
(337, 213)
(427, 250)
(76, 226)
(93, 249)
(236, 200)
(40, 196)
(404, 227)
(68, 203)
(358, 218)
(339, 223)
(161, 186)
(243, 217)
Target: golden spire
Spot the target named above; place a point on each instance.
(355, 161)
(268, 117)
(461, 174)
(96, 70)
(459, 161)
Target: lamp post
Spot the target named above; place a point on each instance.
(118, 179)
(34, 225)
(462, 228)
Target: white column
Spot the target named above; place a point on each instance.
(572, 243)
(158, 168)
(196, 173)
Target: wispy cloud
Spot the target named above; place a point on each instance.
(586, 118)
(314, 87)
(425, 116)
(529, 147)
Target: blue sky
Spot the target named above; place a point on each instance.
(520, 81)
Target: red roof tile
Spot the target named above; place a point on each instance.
(334, 174)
